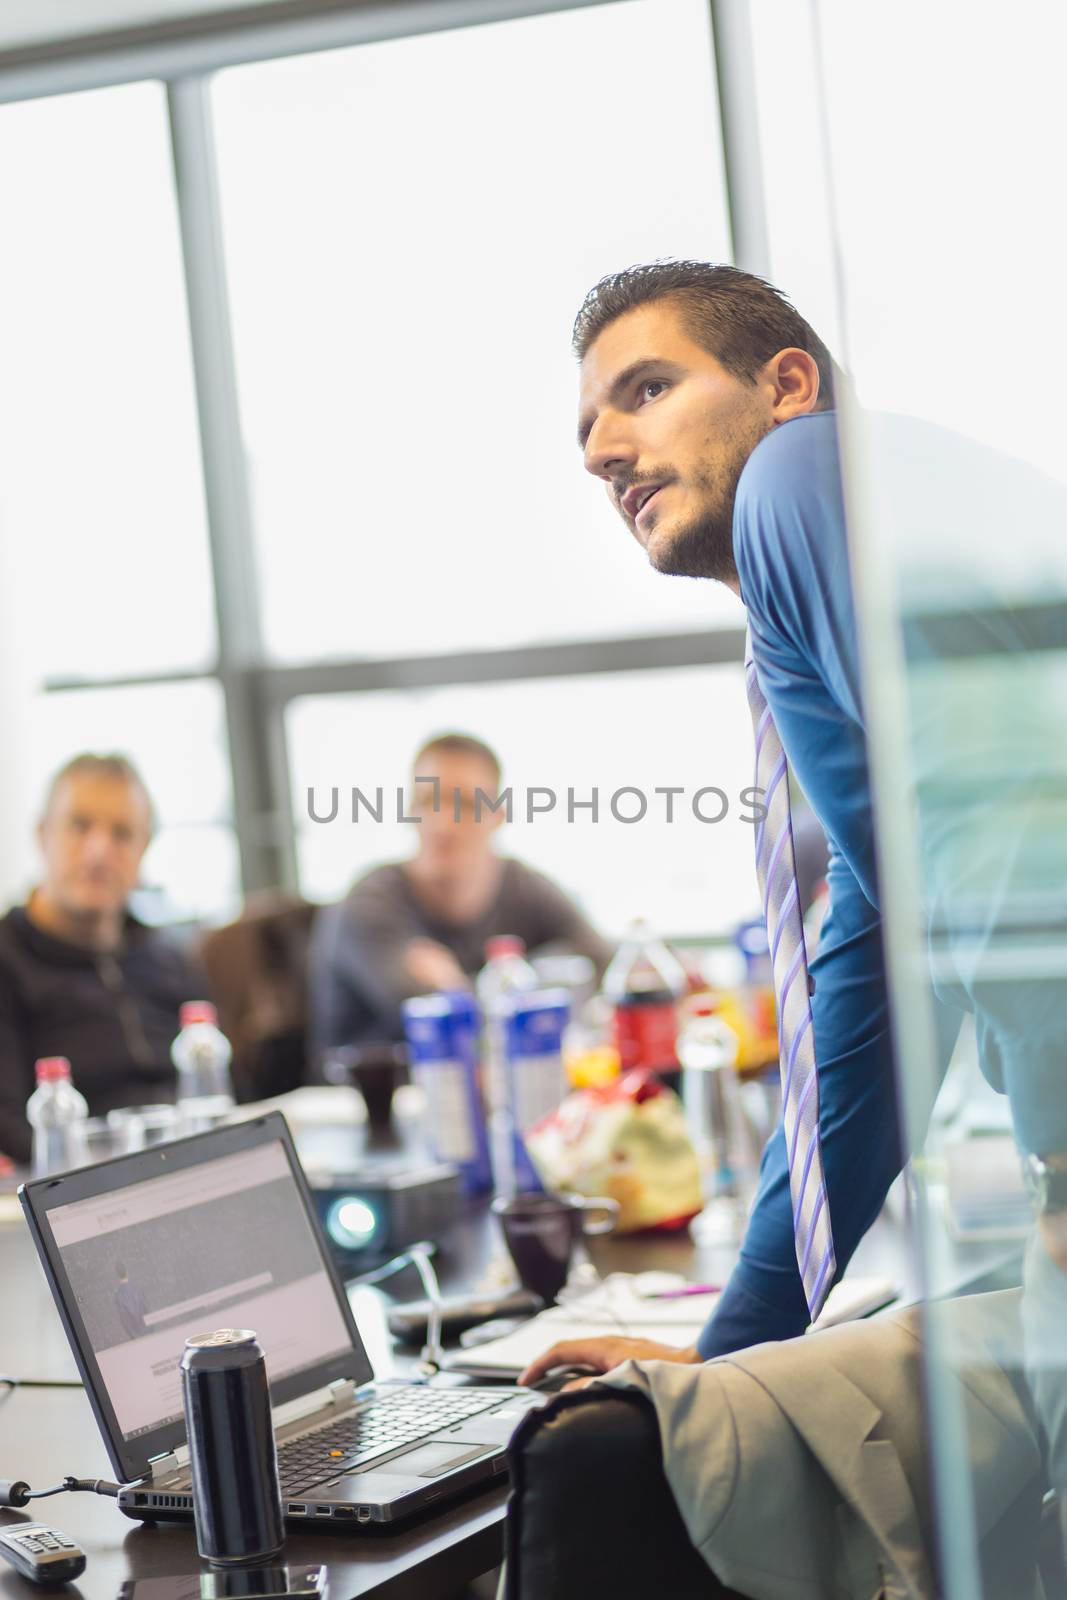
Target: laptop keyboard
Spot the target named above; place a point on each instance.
(378, 1426)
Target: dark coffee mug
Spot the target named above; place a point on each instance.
(542, 1231)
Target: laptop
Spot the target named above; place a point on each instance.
(219, 1230)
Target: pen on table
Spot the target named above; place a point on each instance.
(681, 1294)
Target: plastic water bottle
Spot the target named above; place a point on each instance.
(505, 976)
(57, 1113)
(536, 1078)
(442, 1032)
(201, 1054)
(711, 1094)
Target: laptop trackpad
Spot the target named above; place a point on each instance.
(430, 1460)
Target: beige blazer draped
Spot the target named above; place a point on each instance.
(800, 1468)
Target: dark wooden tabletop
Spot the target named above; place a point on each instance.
(46, 1434)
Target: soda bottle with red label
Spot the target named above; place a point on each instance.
(644, 983)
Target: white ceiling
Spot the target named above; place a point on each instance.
(24, 22)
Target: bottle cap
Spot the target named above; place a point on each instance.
(194, 1011)
(504, 944)
(51, 1068)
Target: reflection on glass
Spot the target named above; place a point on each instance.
(410, 228)
(959, 497)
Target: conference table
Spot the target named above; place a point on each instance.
(47, 1433)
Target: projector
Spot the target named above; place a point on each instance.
(378, 1211)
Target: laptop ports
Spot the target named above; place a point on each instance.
(295, 1509)
(363, 1513)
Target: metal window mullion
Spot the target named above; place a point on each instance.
(187, 47)
(569, 658)
(261, 845)
(735, 72)
(522, 664)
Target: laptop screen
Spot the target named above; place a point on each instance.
(224, 1243)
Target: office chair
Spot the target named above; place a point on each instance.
(591, 1512)
(257, 975)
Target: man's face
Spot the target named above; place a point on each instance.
(92, 839)
(446, 841)
(657, 412)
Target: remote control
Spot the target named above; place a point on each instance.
(41, 1554)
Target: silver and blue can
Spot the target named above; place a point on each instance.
(237, 1503)
(443, 1036)
(536, 1077)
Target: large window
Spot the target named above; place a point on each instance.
(410, 228)
(329, 369)
(101, 490)
(101, 496)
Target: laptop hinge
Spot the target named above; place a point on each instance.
(342, 1392)
(165, 1466)
(337, 1395)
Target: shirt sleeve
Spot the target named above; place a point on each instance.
(792, 560)
(366, 951)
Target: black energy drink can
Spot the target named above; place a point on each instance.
(236, 1499)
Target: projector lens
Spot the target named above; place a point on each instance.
(351, 1223)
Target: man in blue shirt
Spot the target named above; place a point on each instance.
(707, 411)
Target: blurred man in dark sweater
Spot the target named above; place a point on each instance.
(79, 976)
(413, 927)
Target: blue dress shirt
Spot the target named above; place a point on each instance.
(790, 550)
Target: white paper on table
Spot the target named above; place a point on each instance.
(614, 1307)
(611, 1307)
(507, 1357)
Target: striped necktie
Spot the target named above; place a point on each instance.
(777, 873)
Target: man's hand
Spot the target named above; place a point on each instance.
(603, 1355)
(429, 963)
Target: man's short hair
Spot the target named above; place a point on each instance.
(733, 315)
(460, 744)
(87, 765)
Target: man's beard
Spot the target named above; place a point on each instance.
(704, 547)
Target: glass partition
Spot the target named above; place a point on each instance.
(952, 250)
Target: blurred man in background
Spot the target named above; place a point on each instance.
(79, 975)
(413, 927)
